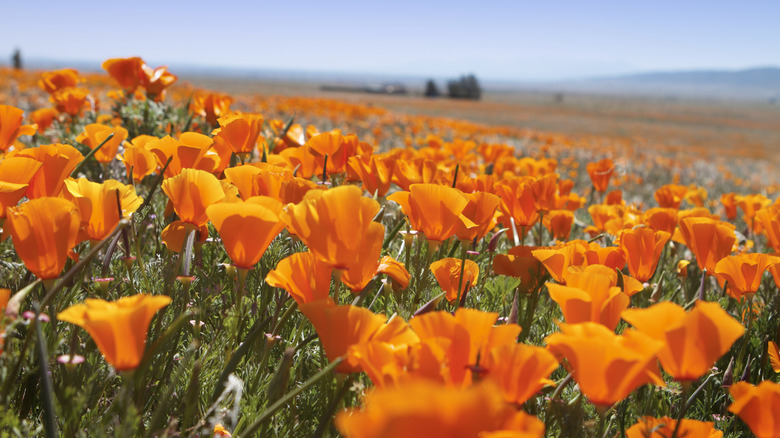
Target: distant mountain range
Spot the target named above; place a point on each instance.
(752, 84)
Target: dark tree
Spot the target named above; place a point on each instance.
(17, 59)
(467, 87)
(431, 90)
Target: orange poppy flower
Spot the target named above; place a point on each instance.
(52, 81)
(11, 126)
(743, 272)
(384, 363)
(519, 262)
(94, 134)
(358, 273)
(750, 204)
(600, 173)
(434, 210)
(376, 174)
(139, 162)
(692, 341)
(117, 327)
(661, 219)
(212, 106)
(44, 230)
(448, 272)
(97, 204)
(340, 327)
(156, 80)
(335, 223)
(414, 171)
(520, 370)
(58, 160)
(670, 195)
(258, 179)
(246, 228)
(558, 223)
(395, 270)
(774, 356)
(758, 406)
(696, 196)
(643, 247)
(44, 118)
(518, 202)
(589, 296)
(191, 192)
(338, 148)
(451, 346)
(126, 71)
(631, 285)
(15, 176)
(481, 211)
(294, 190)
(305, 277)
(710, 240)
(607, 367)
(769, 218)
(422, 409)
(649, 427)
(729, 202)
(239, 132)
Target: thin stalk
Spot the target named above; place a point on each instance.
(90, 155)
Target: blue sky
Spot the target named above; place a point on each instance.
(518, 40)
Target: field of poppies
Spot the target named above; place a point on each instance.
(181, 262)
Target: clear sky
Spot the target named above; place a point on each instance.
(540, 39)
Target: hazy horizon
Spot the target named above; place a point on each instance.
(496, 40)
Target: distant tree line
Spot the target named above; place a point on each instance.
(466, 87)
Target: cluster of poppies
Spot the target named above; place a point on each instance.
(455, 211)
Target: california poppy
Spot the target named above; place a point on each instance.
(44, 118)
(212, 106)
(558, 223)
(481, 211)
(54, 80)
(519, 262)
(743, 272)
(607, 367)
(589, 296)
(71, 100)
(518, 203)
(191, 192)
(239, 132)
(692, 341)
(59, 160)
(423, 409)
(643, 247)
(395, 270)
(665, 427)
(376, 174)
(305, 277)
(661, 219)
(117, 327)
(339, 327)
(600, 173)
(758, 406)
(520, 370)
(94, 134)
(11, 126)
(126, 71)
(448, 274)
(670, 195)
(335, 223)
(97, 204)
(139, 162)
(44, 230)
(710, 240)
(15, 176)
(434, 210)
(246, 228)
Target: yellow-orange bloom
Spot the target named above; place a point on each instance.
(340, 327)
(15, 176)
(11, 126)
(139, 162)
(239, 132)
(376, 174)
(44, 230)
(710, 240)
(126, 71)
(608, 367)
(519, 262)
(481, 211)
(448, 273)
(117, 327)
(692, 341)
(305, 277)
(44, 117)
(94, 134)
(434, 210)
(558, 223)
(212, 106)
(758, 406)
(191, 192)
(58, 160)
(246, 228)
(71, 100)
(97, 204)
(743, 272)
(423, 409)
(665, 427)
(670, 195)
(600, 173)
(661, 219)
(335, 224)
(643, 247)
(518, 202)
(589, 296)
(52, 81)
(520, 370)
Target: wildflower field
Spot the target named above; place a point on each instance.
(181, 262)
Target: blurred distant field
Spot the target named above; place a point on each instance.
(739, 128)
